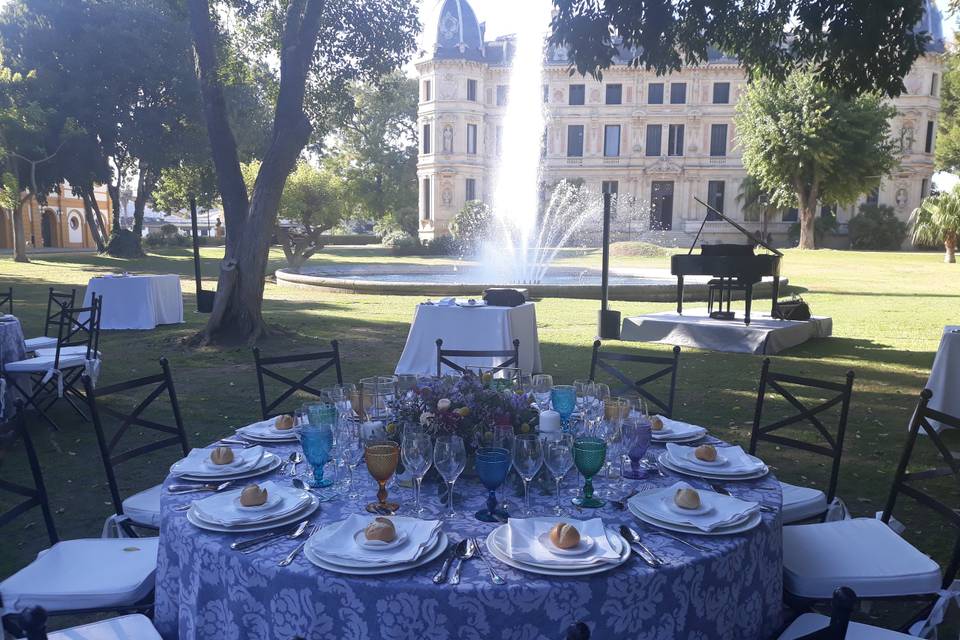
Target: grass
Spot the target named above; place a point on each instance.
(888, 310)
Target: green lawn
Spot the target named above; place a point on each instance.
(888, 309)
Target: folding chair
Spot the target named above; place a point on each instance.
(444, 358)
(813, 626)
(141, 509)
(865, 554)
(76, 341)
(803, 503)
(323, 361)
(667, 367)
(6, 298)
(57, 301)
(32, 625)
(72, 576)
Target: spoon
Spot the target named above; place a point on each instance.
(303, 486)
(645, 554)
(295, 458)
(465, 550)
(177, 489)
(293, 554)
(253, 544)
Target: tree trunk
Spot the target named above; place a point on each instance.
(950, 244)
(145, 185)
(90, 211)
(19, 236)
(114, 191)
(808, 220)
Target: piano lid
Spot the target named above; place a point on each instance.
(752, 237)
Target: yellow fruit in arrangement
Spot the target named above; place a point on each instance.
(463, 411)
(391, 427)
(486, 378)
(525, 428)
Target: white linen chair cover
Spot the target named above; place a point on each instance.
(135, 626)
(863, 554)
(93, 573)
(144, 507)
(75, 350)
(810, 622)
(40, 342)
(801, 503)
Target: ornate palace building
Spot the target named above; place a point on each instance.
(58, 223)
(662, 140)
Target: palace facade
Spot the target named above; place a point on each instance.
(661, 140)
(58, 223)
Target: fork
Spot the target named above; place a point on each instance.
(494, 577)
(719, 488)
(293, 554)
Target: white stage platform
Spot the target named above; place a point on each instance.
(695, 329)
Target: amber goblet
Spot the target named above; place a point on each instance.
(382, 457)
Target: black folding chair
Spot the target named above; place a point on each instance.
(25, 497)
(138, 395)
(57, 301)
(323, 360)
(667, 368)
(6, 298)
(841, 607)
(810, 419)
(444, 358)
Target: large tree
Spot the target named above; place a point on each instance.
(320, 44)
(948, 134)
(857, 45)
(805, 143)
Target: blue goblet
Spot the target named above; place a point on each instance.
(563, 399)
(492, 464)
(321, 413)
(636, 439)
(317, 444)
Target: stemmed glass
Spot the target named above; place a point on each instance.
(589, 454)
(417, 454)
(316, 440)
(527, 460)
(558, 456)
(563, 399)
(406, 384)
(614, 412)
(382, 458)
(449, 457)
(584, 389)
(493, 464)
(636, 439)
(542, 384)
(350, 450)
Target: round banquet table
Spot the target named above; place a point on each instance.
(207, 591)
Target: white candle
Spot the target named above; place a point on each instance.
(549, 421)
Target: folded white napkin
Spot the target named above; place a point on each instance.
(197, 463)
(723, 510)
(524, 544)
(674, 429)
(337, 540)
(224, 508)
(266, 429)
(738, 462)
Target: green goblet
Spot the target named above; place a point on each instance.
(589, 455)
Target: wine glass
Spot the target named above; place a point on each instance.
(542, 384)
(523, 383)
(316, 440)
(350, 450)
(417, 453)
(636, 438)
(320, 413)
(493, 464)
(558, 456)
(449, 457)
(584, 389)
(589, 454)
(382, 458)
(527, 460)
(563, 398)
(614, 410)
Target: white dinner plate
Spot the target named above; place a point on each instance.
(344, 563)
(273, 461)
(296, 516)
(678, 439)
(495, 541)
(710, 474)
(439, 547)
(586, 544)
(741, 526)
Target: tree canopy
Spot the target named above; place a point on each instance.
(947, 152)
(805, 143)
(857, 45)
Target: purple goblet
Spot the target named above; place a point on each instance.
(636, 439)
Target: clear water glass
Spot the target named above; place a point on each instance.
(449, 458)
(542, 384)
(416, 451)
(350, 450)
(527, 460)
(584, 390)
(558, 457)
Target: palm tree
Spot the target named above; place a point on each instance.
(937, 220)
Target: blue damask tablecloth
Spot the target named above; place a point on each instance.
(207, 591)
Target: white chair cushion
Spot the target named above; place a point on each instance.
(810, 622)
(84, 574)
(801, 503)
(131, 627)
(43, 363)
(144, 507)
(863, 554)
(76, 350)
(41, 342)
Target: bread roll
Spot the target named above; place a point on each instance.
(706, 452)
(253, 496)
(687, 498)
(381, 529)
(284, 423)
(656, 424)
(222, 455)
(564, 536)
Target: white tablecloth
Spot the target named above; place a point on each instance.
(945, 375)
(481, 328)
(137, 302)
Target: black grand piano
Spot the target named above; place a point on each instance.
(734, 267)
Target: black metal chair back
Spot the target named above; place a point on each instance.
(24, 497)
(322, 361)
(80, 327)
(57, 302)
(785, 386)
(6, 298)
(102, 406)
(906, 482)
(29, 624)
(443, 358)
(667, 367)
(841, 608)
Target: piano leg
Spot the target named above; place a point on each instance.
(776, 294)
(679, 295)
(748, 297)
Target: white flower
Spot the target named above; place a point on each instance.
(443, 404)
(425, 417)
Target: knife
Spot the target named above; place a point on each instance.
(441, 576)
(246, 544)
(719, 488)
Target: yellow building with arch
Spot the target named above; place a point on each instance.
(60, 223)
